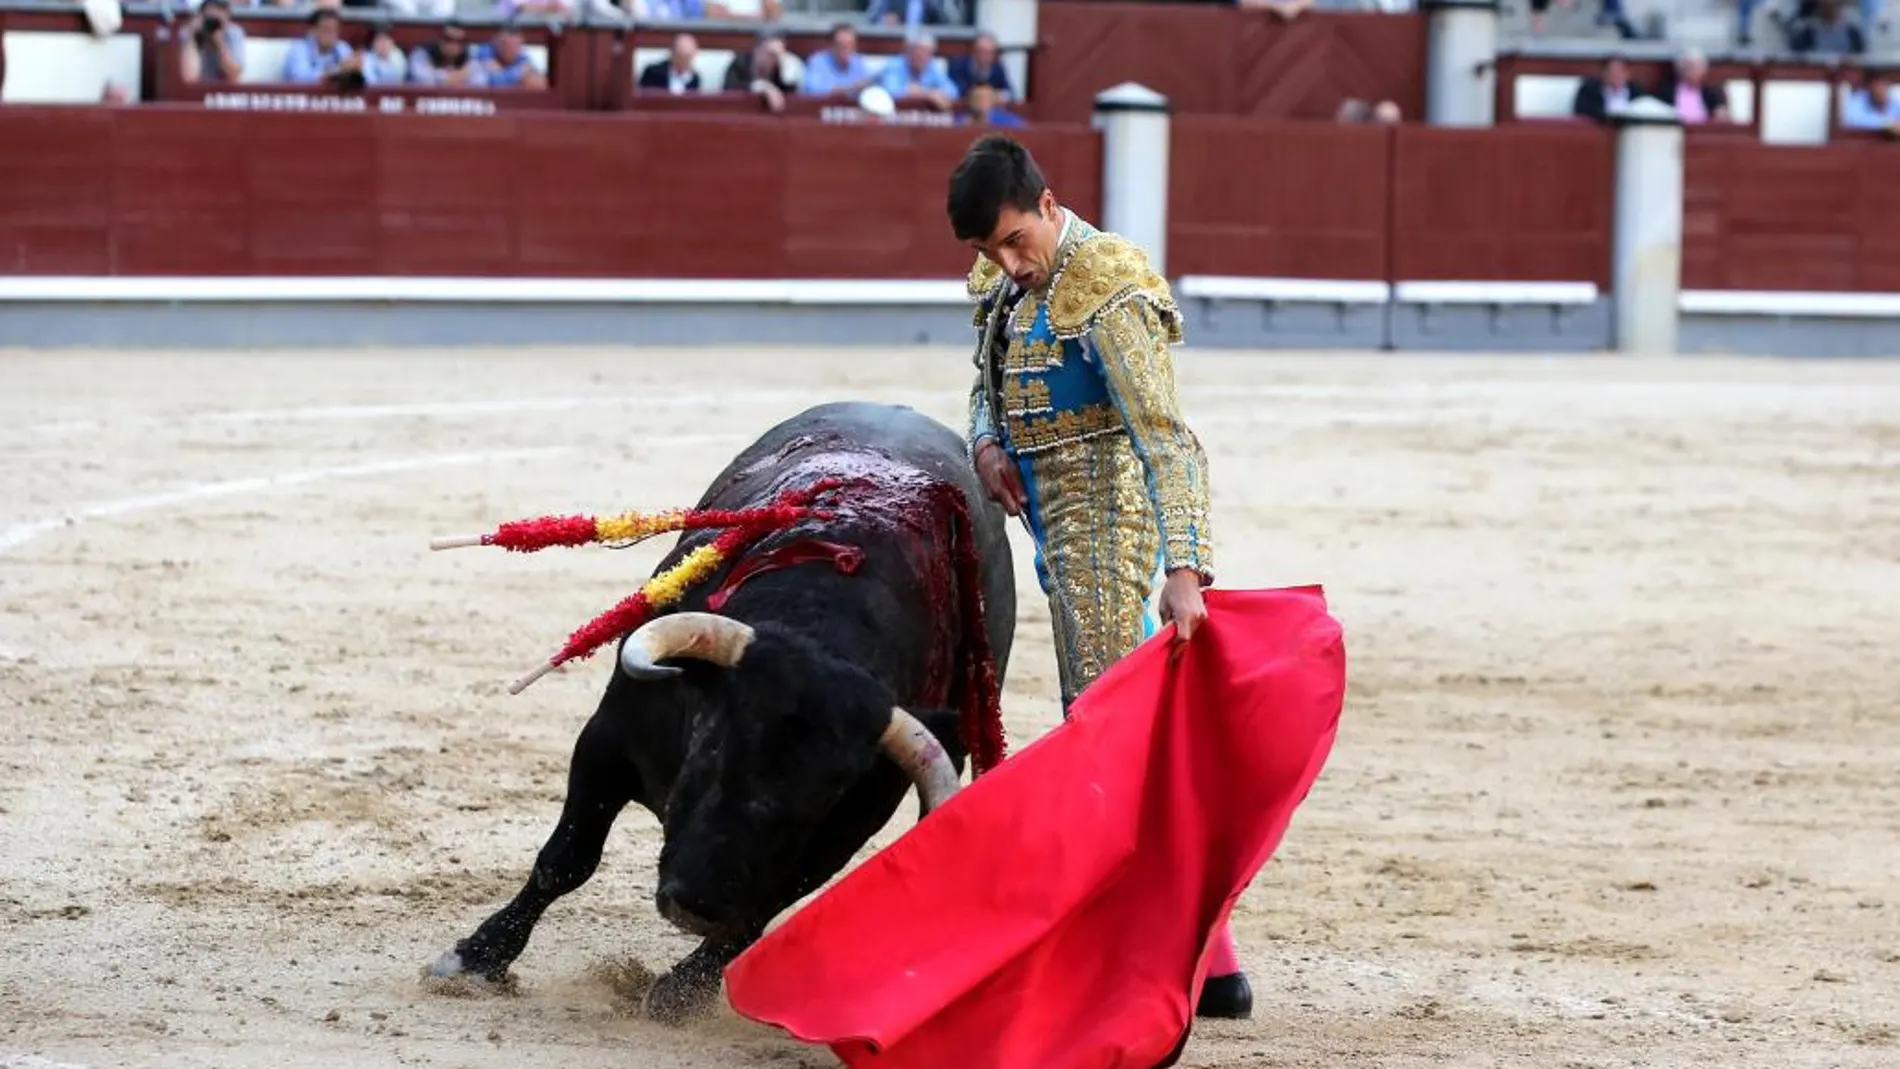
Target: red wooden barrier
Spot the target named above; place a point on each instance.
(170, 190)
(1401, 203)
(1278, 199)
(1219, 60)
(1781, 217)
(1521, 203)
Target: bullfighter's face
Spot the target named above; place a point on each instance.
(1024, 242)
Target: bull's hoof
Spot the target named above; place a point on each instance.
(450, 975)
(678, 997)
(1227, 997)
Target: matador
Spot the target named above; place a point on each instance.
(1076, 426)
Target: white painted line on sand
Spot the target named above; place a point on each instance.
(14, 537)
(499, 406)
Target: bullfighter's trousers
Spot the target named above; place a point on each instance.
(1098, 553)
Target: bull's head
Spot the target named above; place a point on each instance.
(775, 745)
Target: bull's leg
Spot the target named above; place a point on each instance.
(600, 783)
(691, 987)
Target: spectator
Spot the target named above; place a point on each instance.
(916, 75)
(914, 13)
(1826, 29)
(840, 69)
(383, 63)
(1287, 10)
(981, 108)
(212, 47)
(1874, 106)
(762, 71)
(675, 74)
(982, 66)
(1684, 88)
(1354, 110)
(447, 60)
(507, 64)
(1599, 96)
(322, 55)
(673, 11)
(558, 9)
(421, 9)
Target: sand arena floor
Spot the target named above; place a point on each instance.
(1615, 784)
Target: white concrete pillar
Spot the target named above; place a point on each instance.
(1646, 236)
(1135, 132)
(1014, 24)
(1461, 62)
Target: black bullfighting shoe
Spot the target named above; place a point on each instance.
(1229, 997)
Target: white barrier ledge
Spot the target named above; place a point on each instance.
(488, 290)
(1239, 288)
(1496, 292)
(1785, 303)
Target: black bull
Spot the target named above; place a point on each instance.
(774, 738)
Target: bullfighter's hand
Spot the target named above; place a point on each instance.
(1000, 478)
(1182, 604)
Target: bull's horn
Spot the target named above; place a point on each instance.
(921, 757)
(704, 636)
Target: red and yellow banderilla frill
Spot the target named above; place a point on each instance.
(982, 722)
(742, 527)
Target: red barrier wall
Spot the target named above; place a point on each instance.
(171, 190)
(1219, 60)
(1787, 217)
(1400, 203)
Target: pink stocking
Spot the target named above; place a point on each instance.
(1225, 959)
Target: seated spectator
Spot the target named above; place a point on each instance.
(1683, 88)
(980, 108)
(762, 71)
(1827, 29)
(982, 66)
(675, 74)
(1287, 10)
(1354, 110)
(1600, 96)
(559, 9)
(383, 63)
(322, 55)
(212, 47)
(1874, 106)
(507, 64)
(448, 60)
(840, 70)
(915, 12)
(421, 9)
(916, 76)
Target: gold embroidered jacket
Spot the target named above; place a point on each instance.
(1089, 357)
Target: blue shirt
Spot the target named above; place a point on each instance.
(676, 9)
(897, 78)
(823, 76)
(500, 73)
(963, 72)
(305, 65)
(1858, 111)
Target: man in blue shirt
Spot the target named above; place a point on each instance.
(1874, 106)
(840, 69)
(917, 76)
(322, 52)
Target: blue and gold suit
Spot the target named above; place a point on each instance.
(1082, 378)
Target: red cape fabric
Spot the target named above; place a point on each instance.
(1057, 913)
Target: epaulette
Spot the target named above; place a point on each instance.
(984, 279)
(1105, 272)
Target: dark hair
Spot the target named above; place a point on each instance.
(995, 173)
